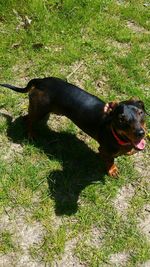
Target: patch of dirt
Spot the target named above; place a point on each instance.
(23, 235)
(8, 260)
(57, 222)
(78, 74)
(8, 148)
(144, 221)
(12, 260)
(21, 71)
(142, 163)
(122, 201)
(145, 264)
(96, 237)
(121, 2)
(101, 86)
(10, 151)
(57, 122)
(136, 28)
(68, 258)
(121, 48)
(119, 259)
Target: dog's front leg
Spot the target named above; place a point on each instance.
(108, 159)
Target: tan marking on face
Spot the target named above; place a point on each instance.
(129, 133)
(144, 126)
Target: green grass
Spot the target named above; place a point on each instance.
(58, 180)
(6, 242)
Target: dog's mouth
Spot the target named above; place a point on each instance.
(137, 144)
(122, 139)
(140, 145)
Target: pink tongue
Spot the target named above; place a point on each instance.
(141, 144)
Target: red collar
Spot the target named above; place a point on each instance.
(120, 142)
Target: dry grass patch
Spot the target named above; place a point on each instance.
(144, 221)
(136, 28)
(145, 264)
(23, 234)
(119, 259)
(96, 237)
(78, 74)
(68, 258)
(142, 163)
(122, 201)
(121, 49)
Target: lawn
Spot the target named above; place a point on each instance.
(58, 207)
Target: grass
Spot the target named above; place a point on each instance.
(58, 181)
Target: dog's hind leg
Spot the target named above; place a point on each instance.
(38, 109)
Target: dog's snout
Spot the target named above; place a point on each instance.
(140, 133)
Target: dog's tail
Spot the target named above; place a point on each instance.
(16, 89)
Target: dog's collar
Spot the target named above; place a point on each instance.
(119, 141)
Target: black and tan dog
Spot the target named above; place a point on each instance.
(118, 127)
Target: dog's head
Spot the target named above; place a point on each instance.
(128, 122)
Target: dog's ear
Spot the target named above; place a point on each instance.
(109, 107)
(140, 104)
(136, 102)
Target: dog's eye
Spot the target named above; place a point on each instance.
(122, 118)
(141, 112)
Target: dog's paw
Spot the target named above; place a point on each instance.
(113, 171)
(131, 152)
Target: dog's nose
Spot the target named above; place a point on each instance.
(140, 133)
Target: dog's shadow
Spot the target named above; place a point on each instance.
(80, 165)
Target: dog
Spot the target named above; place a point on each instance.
(119, 128)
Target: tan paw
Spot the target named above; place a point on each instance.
(113, 171)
